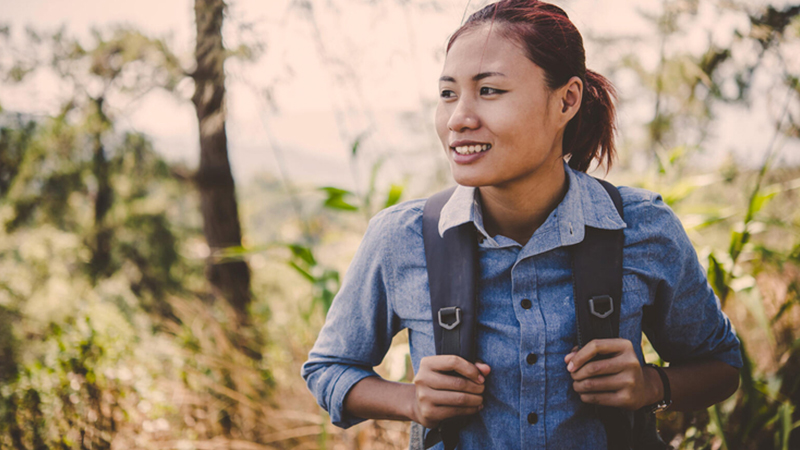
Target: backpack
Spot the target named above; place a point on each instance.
(453, 270)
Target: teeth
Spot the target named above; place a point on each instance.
(470, 149)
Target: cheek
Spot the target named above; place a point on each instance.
(440, 121)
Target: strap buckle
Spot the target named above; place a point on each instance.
(449, 311)
(600, 306)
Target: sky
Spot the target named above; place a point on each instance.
(366, 71)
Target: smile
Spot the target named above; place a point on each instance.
(470, 149)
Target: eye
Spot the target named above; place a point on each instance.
(447, 93)
(490, 91)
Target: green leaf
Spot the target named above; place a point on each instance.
(786, 410)
(714, 415)
(302, 271)
(760, 200)
(395, 192)
(336, 199)
(717, 278)
(304, 253)
(357, 143)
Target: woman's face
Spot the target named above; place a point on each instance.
(497, 120)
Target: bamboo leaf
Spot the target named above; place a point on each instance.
(304, 253)
(761, 199)
(395, 192)
(336, 199)
(717, 277)
(340, 204)
(302, 272)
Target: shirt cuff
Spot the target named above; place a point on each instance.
(347, 379)
(732, 358)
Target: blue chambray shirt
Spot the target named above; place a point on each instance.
(665, 293)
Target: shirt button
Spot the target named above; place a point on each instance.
(533, 418)
(532, 358)
(526, 304)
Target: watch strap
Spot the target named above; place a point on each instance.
(667, 400)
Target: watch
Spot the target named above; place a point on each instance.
(667, 400)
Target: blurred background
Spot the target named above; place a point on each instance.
(184, 183)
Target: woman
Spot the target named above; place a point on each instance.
(516, 102)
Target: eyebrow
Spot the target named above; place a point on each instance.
(477, 77)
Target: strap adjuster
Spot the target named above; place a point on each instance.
(449, 311)
(601, 306)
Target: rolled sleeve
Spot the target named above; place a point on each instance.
(358, 329)
(686, 321)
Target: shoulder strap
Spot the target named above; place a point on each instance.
(597, 279)
(597, 284)
(452, 263)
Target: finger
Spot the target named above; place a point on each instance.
(607, 383)
(453, 363)
(600, 367)
(450, 398)
(445, 382)
(484, 368)
(597, 347)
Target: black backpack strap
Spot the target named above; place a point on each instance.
(597, 283)
(452, 263)
(597, 279)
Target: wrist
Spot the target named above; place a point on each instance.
(663, 391)
(655, 387)
(410, 402)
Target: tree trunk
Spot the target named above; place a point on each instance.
(214, 179)
(100, 264)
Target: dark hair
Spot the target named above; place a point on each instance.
(553, 43)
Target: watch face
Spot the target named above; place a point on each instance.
(661, 406)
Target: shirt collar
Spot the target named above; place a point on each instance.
(586, 203)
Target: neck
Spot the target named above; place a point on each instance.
(518, 208)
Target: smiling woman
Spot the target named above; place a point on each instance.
(521, 120)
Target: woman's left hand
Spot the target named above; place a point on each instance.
(618, 381)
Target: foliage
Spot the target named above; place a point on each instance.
(109, 337)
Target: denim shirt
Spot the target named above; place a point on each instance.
(665, 294)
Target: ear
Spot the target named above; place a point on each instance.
(571, 94)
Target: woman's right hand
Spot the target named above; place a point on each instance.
(441, 394)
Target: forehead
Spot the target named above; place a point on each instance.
(485, 49)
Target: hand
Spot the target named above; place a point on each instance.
(441, 395)
(618, 381)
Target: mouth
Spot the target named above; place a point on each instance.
(471, 148)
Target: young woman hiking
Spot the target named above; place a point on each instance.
(521, 119)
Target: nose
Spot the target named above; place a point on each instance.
(463, 117)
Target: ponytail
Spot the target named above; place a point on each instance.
(589, 135)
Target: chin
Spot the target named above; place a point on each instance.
(465, 178)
